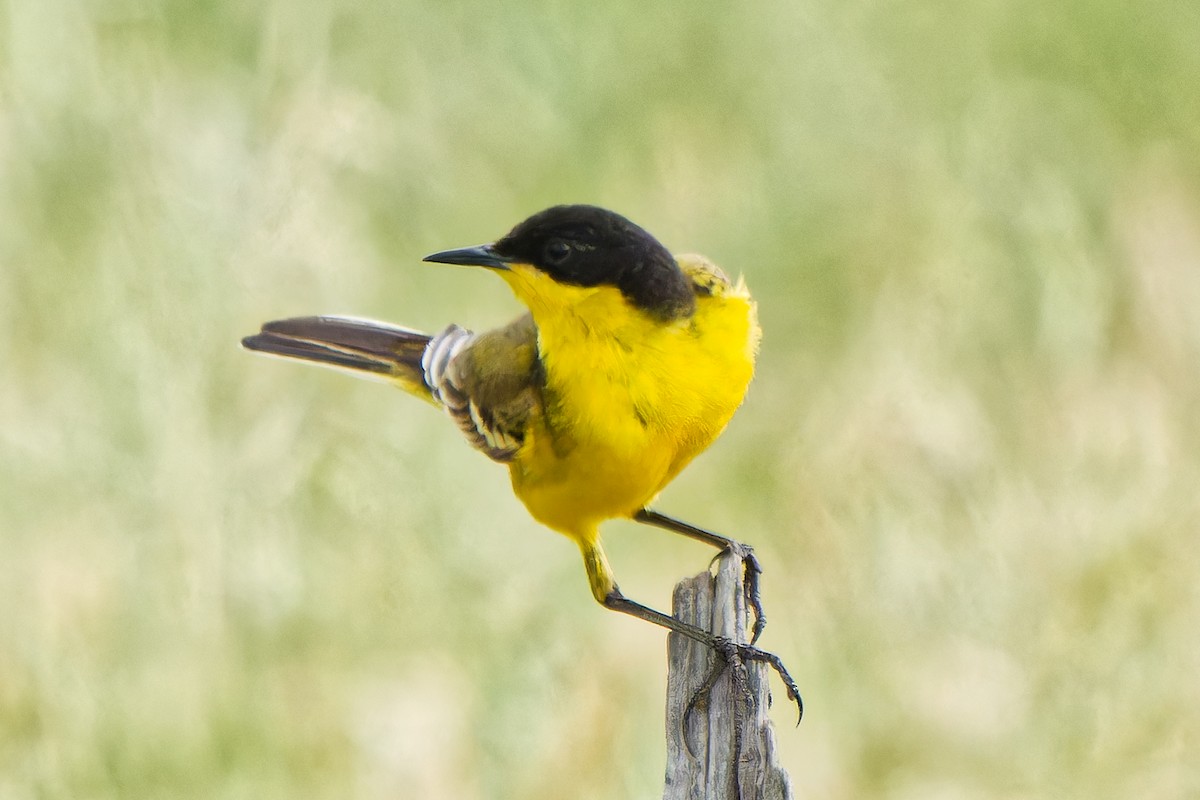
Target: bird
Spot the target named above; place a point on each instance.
(627, 363)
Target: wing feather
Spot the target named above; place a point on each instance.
(489, 383)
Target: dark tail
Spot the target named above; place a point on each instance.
(357, 345)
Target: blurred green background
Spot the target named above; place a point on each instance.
(970, 461)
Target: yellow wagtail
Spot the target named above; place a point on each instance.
(629, 363)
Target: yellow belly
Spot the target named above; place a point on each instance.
(574, 492)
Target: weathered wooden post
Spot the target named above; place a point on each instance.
(724, 747)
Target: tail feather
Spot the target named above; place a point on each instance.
(361, 346)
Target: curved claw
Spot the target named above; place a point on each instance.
(753, 599)
(752, 653)
(735, 655)
(750, 583)
(699, 699)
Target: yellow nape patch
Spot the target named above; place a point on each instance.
(705, 275)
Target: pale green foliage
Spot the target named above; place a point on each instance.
(969, 462)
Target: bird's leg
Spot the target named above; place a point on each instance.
(734, 654)
(723, 543)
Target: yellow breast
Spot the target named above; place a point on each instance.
(630, 399)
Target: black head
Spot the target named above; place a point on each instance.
(590, 246)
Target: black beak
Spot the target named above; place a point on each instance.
(482, 256)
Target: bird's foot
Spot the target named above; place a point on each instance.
(733, 656)
(750, 584)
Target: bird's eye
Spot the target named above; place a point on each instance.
(556, 251)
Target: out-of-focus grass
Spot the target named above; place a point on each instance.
(970, 460)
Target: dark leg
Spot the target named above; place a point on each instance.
(723, 543)
(732, 653)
